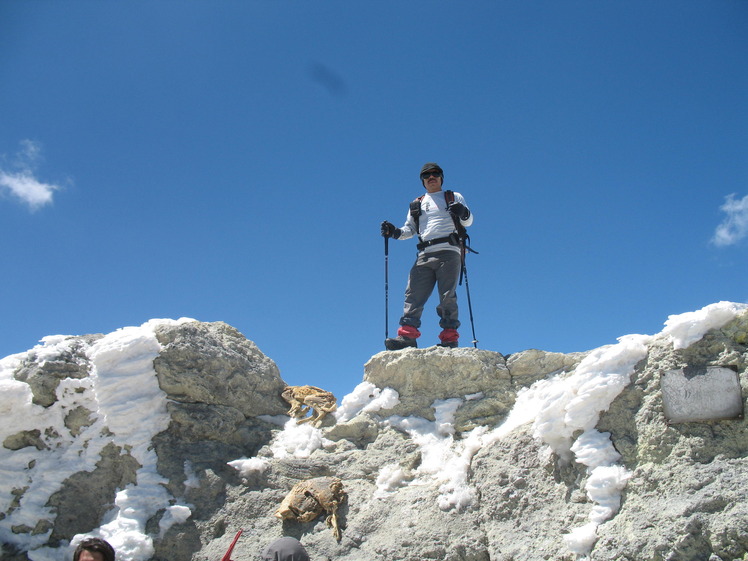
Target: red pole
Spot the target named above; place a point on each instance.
(227, 557)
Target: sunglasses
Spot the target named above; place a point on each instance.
(427, 174)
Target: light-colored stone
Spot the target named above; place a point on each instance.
(213, 363)
(686, 499)
(702, 394)
(423, 376)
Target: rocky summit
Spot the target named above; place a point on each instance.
(170, 439)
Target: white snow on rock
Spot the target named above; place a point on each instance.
(129, 409)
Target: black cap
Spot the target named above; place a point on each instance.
(431, 166)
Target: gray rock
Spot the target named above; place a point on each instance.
(214, 364)
(86, 496)
(686, 499)
(361, 430)
(531, 365)
(43, 376)
(423, 376)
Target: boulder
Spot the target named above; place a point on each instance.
(452, 472)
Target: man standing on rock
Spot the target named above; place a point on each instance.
(438, 218)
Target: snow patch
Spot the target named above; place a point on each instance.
(391, 477)
(444, 460)
(686, 329)
(249, 466)
(366, 398)
(297, 440)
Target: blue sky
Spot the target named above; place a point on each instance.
(232, 161)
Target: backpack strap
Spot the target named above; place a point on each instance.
(415, 212)
(449, 198)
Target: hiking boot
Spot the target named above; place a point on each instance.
(399, 342)
(448, 338)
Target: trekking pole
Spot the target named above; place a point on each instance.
(386, 288)
(470, 305)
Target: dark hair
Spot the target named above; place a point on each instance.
(95, 545)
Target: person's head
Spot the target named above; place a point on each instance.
(94, 549)
(285, 549)
(432, 177)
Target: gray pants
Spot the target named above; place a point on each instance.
(440, 269)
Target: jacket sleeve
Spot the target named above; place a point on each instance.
(409, 228)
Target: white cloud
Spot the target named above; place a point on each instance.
(20, 181)
(735, 226)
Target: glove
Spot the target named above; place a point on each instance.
(389, 230)
(459, 210)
